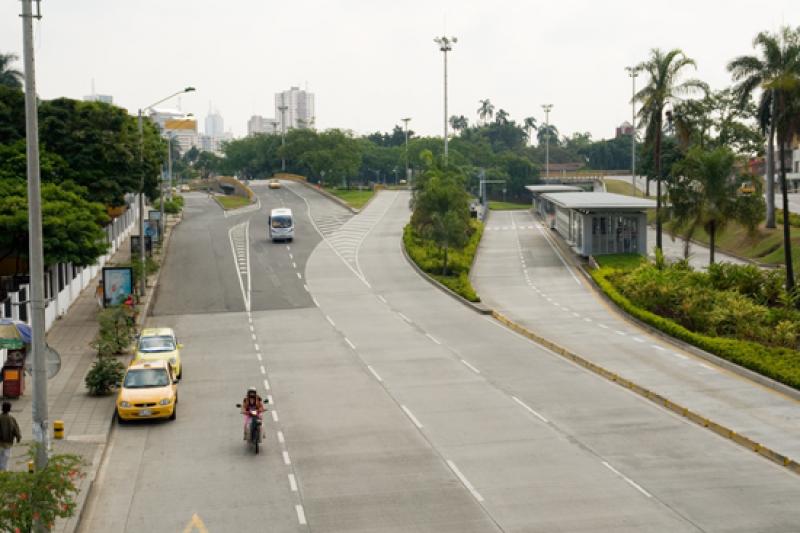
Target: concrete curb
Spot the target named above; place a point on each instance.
(654, 397)
(151, 296)
(478, 307)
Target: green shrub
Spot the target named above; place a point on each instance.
(780, 364)
(116, 333)
(430, 259)
(172, 206)
(106, 373)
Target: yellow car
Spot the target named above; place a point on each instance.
(274, 184)
(149, 390)
(160, 344)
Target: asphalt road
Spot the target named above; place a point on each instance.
(397, 409)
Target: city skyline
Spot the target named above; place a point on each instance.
(505, 52)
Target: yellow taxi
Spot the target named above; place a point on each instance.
(160, 344)
(149, 390)
(274, 184)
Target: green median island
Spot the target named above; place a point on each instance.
(431, 259)
(232, 202)
(740, 313)
(507, 206)
(355, 198)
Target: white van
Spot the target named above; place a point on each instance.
(281, 224)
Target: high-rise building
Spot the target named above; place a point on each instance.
(215, 126)
(178, 125)
(105, 98)
(259, 124)
(299, 109)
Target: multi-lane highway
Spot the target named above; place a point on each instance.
(396, 409)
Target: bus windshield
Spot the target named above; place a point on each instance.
(281, 221)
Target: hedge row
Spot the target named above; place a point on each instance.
(430, 259)
(780, 364)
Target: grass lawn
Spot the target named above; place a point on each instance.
(620, 261)
(232, 202)
(354, 197)
(502, 206)
(624, 187)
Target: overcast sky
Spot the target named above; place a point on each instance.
(371, 62)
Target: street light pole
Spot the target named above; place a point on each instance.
(143, 275)
(35, 246)
(633, 72)
(405, 127)
(547, 108)
(445, 45)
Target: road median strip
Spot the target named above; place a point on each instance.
(652, 396)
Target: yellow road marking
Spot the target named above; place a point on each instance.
(195, 524)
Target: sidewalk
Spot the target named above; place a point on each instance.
(88, 420)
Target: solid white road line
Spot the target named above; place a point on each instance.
(274, 416)
(292, 483)
(349, 343)
(263, 370)
(266, 384)
(301, 515)
(374, 373)
(628, 480)
(531, 411)
(286, 459)
(330, 320)
(280, 437)
(464, 480)
(411, 416)
(404, 317)
(471, 367)
(381, 298)
(434, 339)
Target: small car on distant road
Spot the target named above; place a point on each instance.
(160, 344)
(149, 390)
(274, 184)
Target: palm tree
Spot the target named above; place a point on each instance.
(486, 109)
(459, 123)
(501, 117)
(664, 87)
(705, 195)
(777, 74)
(529, 124)
(9, 77)
(547, 130)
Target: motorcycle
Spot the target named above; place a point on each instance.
(254, 434)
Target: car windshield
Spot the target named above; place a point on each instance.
(281, 222)
(146, 378)
(161, 343)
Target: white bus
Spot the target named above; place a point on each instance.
(281, 224)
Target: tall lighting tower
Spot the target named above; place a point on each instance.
(633, 72)
(405, 129)
(547, 108)
(445, 45)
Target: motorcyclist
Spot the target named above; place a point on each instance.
(251, 402)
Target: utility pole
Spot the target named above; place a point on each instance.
(547, 108)
(282, 108)
(405, 127)
(445, 45)
(35, 248)
(633, 72)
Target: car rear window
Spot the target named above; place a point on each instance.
(161, 343)
(146, 378)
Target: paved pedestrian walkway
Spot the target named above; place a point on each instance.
(87, 419)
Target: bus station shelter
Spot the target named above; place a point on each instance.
(545, 209)
(598, 223)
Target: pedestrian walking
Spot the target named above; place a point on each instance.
(9, 430)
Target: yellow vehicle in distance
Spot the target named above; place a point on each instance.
(159, 344)
(274, 184)
(149, 390)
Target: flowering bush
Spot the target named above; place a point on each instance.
(43, 495)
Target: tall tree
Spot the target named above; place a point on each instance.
(459, 123)
(664, 87)
(777, 74)
(502, 116)
(529, 124)
(10, 77)
(705, 194)
(485, 110)
(545, 131)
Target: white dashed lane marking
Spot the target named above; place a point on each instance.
(470, 367)
(410, 415)
(374, 373)
(530, 410)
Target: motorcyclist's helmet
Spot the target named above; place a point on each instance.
(251, 391)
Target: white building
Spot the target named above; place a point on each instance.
(215, 126)
(180, 126)
(259, 124)
(294, 109)
(105, 98)
(209, 143)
